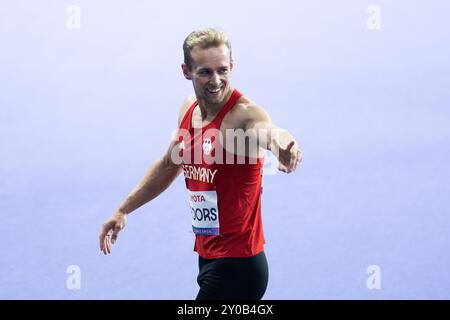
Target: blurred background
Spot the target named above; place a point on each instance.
(89, 96)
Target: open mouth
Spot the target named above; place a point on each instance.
(214, 92)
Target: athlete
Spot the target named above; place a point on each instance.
(219, 146)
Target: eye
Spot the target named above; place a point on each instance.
(203, 72)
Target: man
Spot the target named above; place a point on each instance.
(220, 146)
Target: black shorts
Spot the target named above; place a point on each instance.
(233, 278)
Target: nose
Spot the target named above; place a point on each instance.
(215, 79)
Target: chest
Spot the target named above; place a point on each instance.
(231, 121)
(229, 134)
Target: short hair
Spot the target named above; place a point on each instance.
(205, 38)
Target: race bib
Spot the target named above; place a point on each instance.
(205, 214)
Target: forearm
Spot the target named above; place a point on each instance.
(271, 138)
(278, 138)
(157, 179)
(284, 147)
(259, 125)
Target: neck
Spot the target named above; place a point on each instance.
(209, 110)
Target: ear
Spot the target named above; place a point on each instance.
(186, 71)
(231, 65)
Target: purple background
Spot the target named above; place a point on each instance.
(83, 113)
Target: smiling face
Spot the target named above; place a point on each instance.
(210, 74)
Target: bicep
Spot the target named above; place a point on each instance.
(259, 126)
(258, 119)
(171, 157)
(185, 107)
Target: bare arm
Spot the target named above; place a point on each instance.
(157, 179)
(279, 141)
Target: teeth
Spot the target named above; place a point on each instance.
(214, 91)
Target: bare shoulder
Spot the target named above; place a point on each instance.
(246, 111)
(187, 102)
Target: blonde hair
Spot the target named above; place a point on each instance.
(205, 38)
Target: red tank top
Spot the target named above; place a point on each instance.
(225, 198)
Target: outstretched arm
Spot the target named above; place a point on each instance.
(279, 141)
